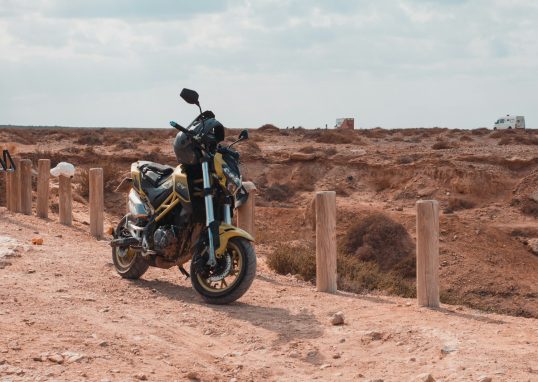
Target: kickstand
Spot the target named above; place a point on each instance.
(184, 272)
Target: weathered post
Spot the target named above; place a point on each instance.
(428, 253)
(65, 200)
(245, 213)
(326, 241)
(14, 188)
(43, 175)
(96, 202)
(26, 186)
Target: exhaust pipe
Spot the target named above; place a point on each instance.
(125, 242)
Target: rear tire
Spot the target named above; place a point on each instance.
(242, 283)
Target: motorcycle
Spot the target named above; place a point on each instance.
(185, 213)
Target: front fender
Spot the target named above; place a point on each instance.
(228, 231)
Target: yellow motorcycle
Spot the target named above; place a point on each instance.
(185, 213)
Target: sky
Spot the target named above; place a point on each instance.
(388, 63)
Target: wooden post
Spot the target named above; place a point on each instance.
(428, 253)
(96, 202)
(26, 186)
(14, 188)
(245, 213)
(65, 200)
(43, 175)
(326, 241)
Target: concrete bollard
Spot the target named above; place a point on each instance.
(428, 253)
(326, 273)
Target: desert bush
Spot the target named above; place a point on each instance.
(405, 159)
(293, 259)
(307, 149)
(380, 239)
(528, 207)
(481, 131)
(269, 128)
(441, 145)
(504, 141)
(278, 192)
(501, 133)
(89, 139)
(330, 151)
(355, 274)
(111, 178)
(381, 180)
(459, 203)
(335, 137)
(466, 138)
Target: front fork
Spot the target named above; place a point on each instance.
(210, 217)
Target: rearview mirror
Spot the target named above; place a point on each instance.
(243, 135)
(190, 96)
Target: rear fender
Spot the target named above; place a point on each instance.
(226, 232)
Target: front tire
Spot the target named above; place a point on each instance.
(222, 292)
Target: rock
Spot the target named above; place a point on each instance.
(534, 196)
(294, 354)
(56, 358)
(484, 378)
(37, 240)
(336, 355)
(425, 377)
(193, 376)
(399, 208)
(447, 350)
(141, 376)
(325, 366)
(30, 271)
(103, 344)
(337, 318)
(373, 335)
(533, 245)
(303, 156)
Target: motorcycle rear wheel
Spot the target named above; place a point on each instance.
(237, 282)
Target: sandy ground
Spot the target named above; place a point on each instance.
(65, 315)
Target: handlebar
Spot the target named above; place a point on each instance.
(180, 128)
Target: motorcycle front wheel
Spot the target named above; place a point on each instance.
(232, 276)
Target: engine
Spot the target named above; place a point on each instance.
(165, 241)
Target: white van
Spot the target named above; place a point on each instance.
(510, 122)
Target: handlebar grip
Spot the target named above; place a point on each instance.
(178, 127)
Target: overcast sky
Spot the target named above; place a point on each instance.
(389, 63)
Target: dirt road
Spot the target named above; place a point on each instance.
(65, 315)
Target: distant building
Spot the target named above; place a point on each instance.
(345, 123)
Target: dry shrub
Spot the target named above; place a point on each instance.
(379, 239)
(294, 260)
(278, 192)
(459, 203)
(505, 141)
(111, 179)
(481, 131)
(354, 274)
(442, 145)
(269, 128)
(89, 139)
(307, 149)
(528, 207)
(335, 137)
(381, 181)
(501, 133)
(330, 151)
(377, 132)
(466, 138)
(406, 159)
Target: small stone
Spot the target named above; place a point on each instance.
(374, 336)
(336, 355)
(193, 376)
(141, 376)
(103, 344)
(337, 318)
(447, 350)
(294, 354)
(37, 240)
(233, 380)
(325, 366)
(30, 271)
(425, 377)
(484, 378)
(56, 358)
(533, 245)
